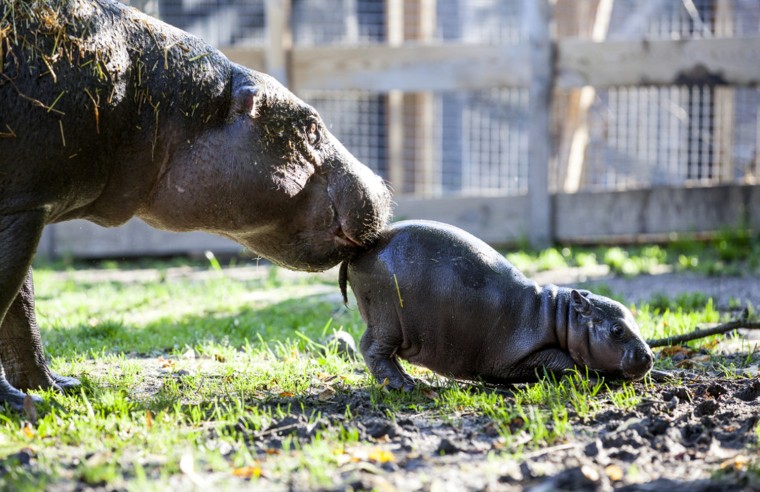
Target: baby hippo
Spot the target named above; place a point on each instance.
(438, 297)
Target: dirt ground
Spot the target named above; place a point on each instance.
(674, 440)
(698, 434)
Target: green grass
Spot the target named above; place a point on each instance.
(730, 252)
(178, 375)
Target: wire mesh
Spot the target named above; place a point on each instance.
(218, 22)
(357, 118)
(476, 142)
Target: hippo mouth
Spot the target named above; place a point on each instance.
(634, 376)
(344, 240)
(637, 363)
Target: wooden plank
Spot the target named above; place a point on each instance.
(662, 62)
(496, 220)
(654, 212)
(83, 239)
(411, 67)
(457, 66)
(536, 21)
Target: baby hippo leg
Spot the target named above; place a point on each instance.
(380, 357)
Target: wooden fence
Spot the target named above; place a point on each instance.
(543, 65)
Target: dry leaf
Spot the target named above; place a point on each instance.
(614, 472)
(148, 420)
(694, 361)
(326, 394)
(252, 471)
(326, 377)
(738, 462)
(287, 394)
(343, 459)
(30, 410)
(272, 451)
(676, 350)
(28, 430)
(712, 344)
(429, 393)
(702, 358)
(499, 443)
(381, 456)
(164, 363)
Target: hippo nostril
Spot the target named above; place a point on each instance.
(645, 357)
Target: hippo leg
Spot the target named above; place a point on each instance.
(19, 235)
(379, 355)
(21, 347)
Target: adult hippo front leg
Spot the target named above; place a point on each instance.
(19, 235)
(21, 352)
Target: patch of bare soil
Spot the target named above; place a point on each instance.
(697, 436)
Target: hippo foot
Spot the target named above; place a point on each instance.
(13, 397)
(64, 383)
(383, 363)
(39, 378)
(390, 372)
(398, 384)
(405, 384)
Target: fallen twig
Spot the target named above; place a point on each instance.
(541, 452)
(706, 332)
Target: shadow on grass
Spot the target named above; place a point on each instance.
(311, 316)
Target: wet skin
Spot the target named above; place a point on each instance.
(438, 297)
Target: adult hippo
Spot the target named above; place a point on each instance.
(439, 297)
(106, 114)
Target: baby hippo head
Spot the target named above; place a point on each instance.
(602, 335)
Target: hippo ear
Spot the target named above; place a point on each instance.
(581, 303)
(244, 99)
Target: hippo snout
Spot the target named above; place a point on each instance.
(362, 204)
(637, 362)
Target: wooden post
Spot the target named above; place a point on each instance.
(725, 110)
(411, 116)
(537, 21)
(419, 107)
(280, 41)
(394, 25)
(579, 109)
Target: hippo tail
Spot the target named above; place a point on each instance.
(343, 280)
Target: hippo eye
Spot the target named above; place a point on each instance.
(617, 331)
(312, 133)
